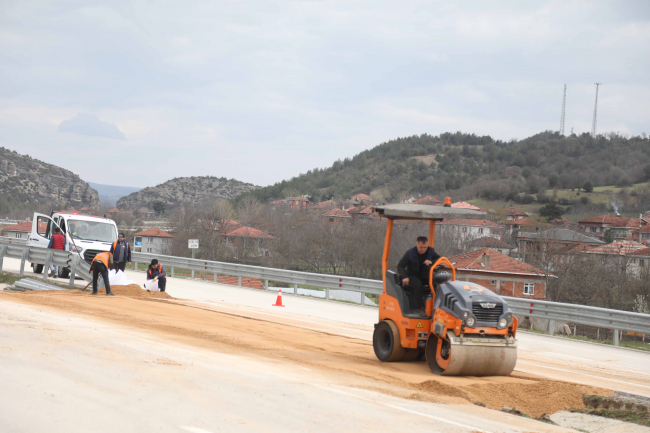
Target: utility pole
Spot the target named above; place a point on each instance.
(593, 123)
(562, 116)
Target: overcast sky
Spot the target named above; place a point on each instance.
(134, 93)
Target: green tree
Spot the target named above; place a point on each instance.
(608, 238)
(159, 207)
(588, 186)
(551, 211)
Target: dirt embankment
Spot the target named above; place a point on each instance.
(348, 360)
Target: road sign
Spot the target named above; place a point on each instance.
(193, 243)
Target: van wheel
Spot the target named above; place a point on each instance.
(386, 342)
(38, 269)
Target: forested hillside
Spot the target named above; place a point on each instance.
(474, 166)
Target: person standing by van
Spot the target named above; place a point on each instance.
(121, 251)
(57, 242)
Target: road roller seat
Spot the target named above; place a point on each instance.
(395, 289)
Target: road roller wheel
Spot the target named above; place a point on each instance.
(437, 353)
(386, 342)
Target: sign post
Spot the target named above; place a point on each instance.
(193, 244)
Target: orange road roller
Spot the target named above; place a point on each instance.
(465, 330)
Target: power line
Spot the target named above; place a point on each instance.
(562, 116)
(593, 123)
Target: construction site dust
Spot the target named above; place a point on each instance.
(348, 360)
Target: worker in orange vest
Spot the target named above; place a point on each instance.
(100, 265)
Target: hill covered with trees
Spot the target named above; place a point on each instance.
(470, 166)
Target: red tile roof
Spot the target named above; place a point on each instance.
(248, 232)
(155, 232)
(645, 252)
(20, 227)
(324, 204)
(362, 197)
(465, 205)
(431, 201)
(515, 212)
(114, 210)
(364, 210)
(469, 222)
(228, 225)
(498, 263)
(618, 247)
(607, 219)
(338, 213)
(522, 222)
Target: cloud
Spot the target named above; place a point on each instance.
(91, 126)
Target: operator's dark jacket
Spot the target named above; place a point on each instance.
(412, 264)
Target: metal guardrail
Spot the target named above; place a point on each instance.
(616, 320)
(325, 281)
(31, 284)
(45, 257)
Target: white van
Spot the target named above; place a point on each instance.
(90, 235)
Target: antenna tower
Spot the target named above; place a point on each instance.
(562, 116)
(593, 123)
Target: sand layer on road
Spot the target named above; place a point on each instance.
(352, 361)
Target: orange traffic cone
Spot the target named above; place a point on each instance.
(278, 302)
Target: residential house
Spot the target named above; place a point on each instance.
(362, 199)
(338, 216)
(152, 241)
(407, 199)
(428, 200)
(324, 205)
(467, 230)
(513, 214)
(248, 242)
(501, 274)
(621, 227)
(524, 223)
(146, 212)
(492, 243)
(558, 243)
(465, 205)
(627, 255)
(19, 231)
(361, 213)
(638, 263)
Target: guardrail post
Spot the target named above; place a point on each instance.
(135, 266)
(615, 337)
(192, 273)
(239, 281)
(73, 269)
(327, 294)
(46, 266)
(363, 298)
(266, 284)
(3, 251)
(216, 278)
(22, 262)
(172, 271)
(295, 288)
(551, 327)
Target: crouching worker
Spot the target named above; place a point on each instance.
(158, 273)
(100, 265)
(414, 271)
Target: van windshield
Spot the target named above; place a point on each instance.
(92, 231)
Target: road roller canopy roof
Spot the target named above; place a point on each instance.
(426, 212)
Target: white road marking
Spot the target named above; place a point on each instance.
(403, 409)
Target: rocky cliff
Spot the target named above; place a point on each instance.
(185, 190)
(27, 180)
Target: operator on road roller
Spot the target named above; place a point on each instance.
(413, 270)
